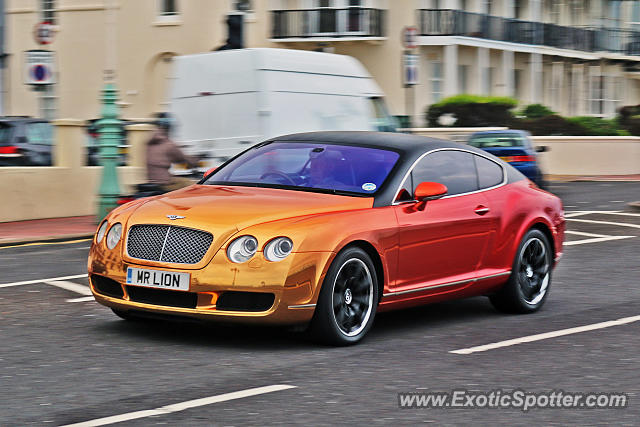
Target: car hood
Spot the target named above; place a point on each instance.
(228, 209)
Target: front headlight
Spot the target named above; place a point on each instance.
(242, 249)
(113, 236)
(278, 249)
(101, 231)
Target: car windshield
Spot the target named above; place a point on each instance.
(497, 140)
(322, 167)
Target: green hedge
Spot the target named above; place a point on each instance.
(472, 110)
(535, 111)
(480, 111)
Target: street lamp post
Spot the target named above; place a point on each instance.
(110, 135)
(109, 125)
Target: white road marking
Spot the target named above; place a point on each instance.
(70, 286)
(176, 407)
(596, 240)
(51, 279)
(582, 233)
(81, 299)
(591, 221)
(547, 335)
(580, 213)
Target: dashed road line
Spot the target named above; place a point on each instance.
(547, 335)
(591, 221)
(176, 407)
(50, 279)
(70, 286)
(596, 240)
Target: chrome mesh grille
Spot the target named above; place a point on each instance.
(166, 243)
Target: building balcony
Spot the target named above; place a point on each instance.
(326, 23)
(448, 22)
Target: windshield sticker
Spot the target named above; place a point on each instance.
(368, 186)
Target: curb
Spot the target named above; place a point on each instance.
(44, 240)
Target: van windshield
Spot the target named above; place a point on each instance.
(310, 166)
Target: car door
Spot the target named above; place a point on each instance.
(442, 241)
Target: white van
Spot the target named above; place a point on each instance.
(225, 101)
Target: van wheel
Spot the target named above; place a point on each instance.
(348, 299)
(530, 280)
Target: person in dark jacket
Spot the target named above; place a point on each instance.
(161, 153)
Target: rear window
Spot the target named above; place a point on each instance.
(5, 133)
(39, 133)
(497, 140)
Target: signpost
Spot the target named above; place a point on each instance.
(39, 67)
(409, 69)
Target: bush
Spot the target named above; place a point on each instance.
(535, 111)
(572, 126)
(629, 119)
(548, 125)
(473, 110)
(598, 127)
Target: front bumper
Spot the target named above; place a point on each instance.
(294, 284)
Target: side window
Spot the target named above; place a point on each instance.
(455, 169)
(490, 173)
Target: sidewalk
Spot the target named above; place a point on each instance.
(41, 230)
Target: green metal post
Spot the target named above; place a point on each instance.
(110, 135)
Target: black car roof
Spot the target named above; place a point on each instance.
(395, 141)
(410, 147)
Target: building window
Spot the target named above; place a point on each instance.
(517, 12)
(436, 81)
(168, 8)
(605, 92)
(517, 83)
(49, 11)
(463, 73)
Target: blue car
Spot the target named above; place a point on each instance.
(515, 148)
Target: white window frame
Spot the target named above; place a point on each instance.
(433, 79)
(609, 92)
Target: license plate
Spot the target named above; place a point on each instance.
(158, 279)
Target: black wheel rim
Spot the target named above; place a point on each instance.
(352, 297)
(533, 273)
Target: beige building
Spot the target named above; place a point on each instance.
(579, 57)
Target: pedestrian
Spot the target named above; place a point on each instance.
(161, 153)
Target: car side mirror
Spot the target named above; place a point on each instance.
(429, 191)
(542, 149)
(208, 173)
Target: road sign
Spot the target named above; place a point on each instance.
(39, 67)
(410, 69)
(410, 37)
(43, 33)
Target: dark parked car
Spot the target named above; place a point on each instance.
(515, 148)
(25, 141)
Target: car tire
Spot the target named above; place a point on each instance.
(348, 299)
(530, 280)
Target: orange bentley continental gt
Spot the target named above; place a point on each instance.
(327, 229)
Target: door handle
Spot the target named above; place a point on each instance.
(481, 210)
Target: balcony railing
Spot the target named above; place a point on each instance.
(325, 22)
(447, 22)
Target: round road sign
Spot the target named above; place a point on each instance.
(44, 32)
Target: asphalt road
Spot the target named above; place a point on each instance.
(64, 360)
